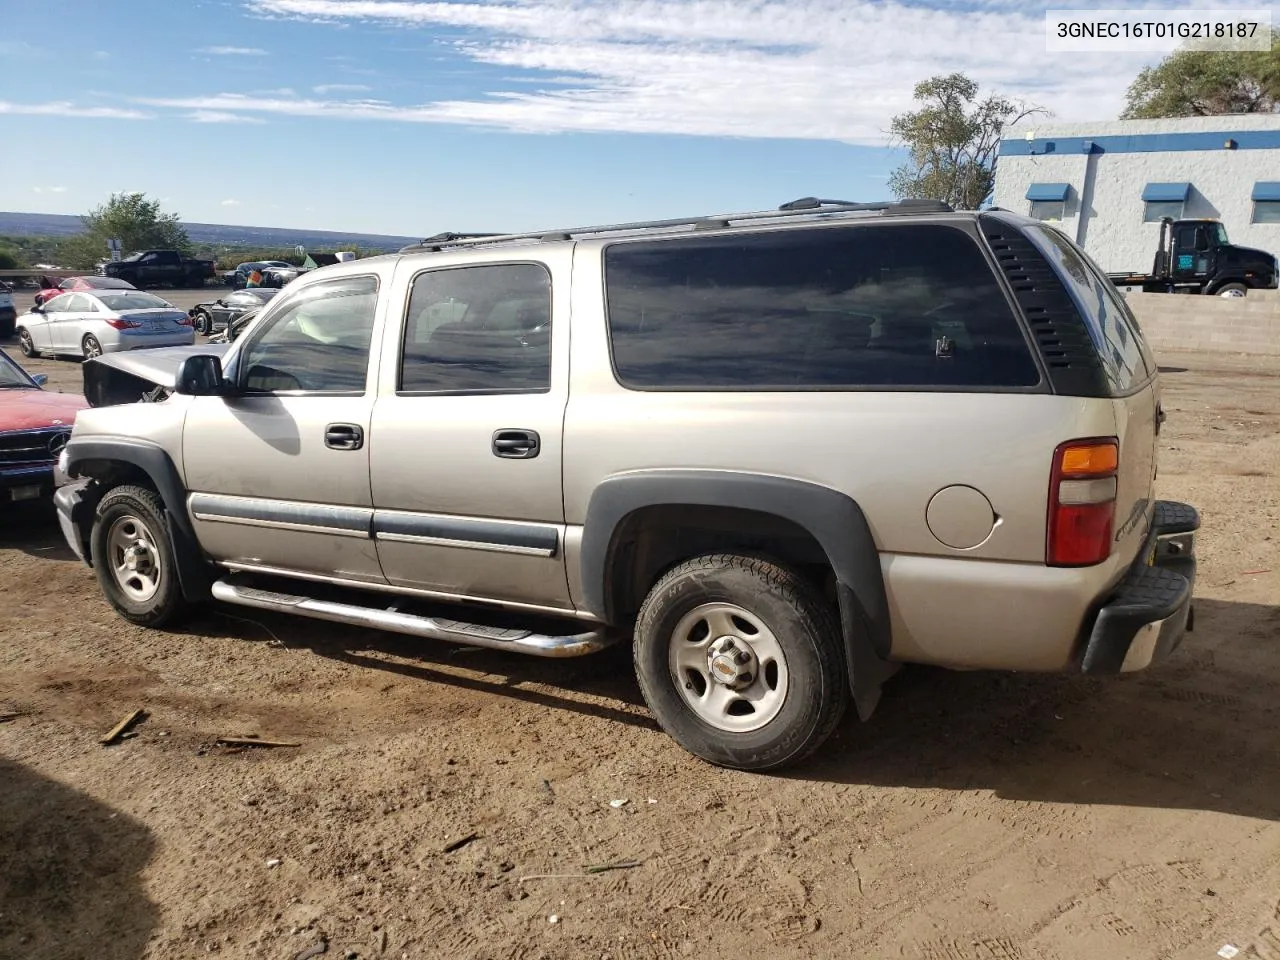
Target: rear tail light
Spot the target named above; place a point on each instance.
(123, 324)
(1082, 502)
(186, 322)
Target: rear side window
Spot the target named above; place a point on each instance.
(481, 329)
(869, 307)
(1112, 326)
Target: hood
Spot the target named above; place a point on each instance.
(115, 378)
(22, 409)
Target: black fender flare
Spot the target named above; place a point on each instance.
(832, 518)
(155, 462)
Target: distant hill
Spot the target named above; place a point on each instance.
(60, 225)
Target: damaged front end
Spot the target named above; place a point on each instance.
(141, 376)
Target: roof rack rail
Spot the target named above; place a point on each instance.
(440, 239)
(806, 206)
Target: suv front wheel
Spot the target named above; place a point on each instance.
(741, 662)
(133, 558)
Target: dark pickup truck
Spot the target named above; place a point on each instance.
(152, 267)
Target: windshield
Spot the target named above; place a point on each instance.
(106, 283)
(133, 300)
(1221, 233)
(11, 375)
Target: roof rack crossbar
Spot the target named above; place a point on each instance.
(806, 207)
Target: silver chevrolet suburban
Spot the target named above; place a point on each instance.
(781, 452)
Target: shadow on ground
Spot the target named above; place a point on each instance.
(1196, 732)
(33, 529)
(69, 874)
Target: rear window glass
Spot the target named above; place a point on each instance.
(868, 307)
(1112, 326)
(132, 300)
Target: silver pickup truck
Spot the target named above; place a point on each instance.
(779, 452)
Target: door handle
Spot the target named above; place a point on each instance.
(343, 436)
(516, 444)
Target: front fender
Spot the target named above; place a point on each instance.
(98, 457)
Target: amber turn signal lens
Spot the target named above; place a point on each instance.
(1094, 460)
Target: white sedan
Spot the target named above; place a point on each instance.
(104, 321)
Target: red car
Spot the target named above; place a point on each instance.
(34, 427)
(71, 284)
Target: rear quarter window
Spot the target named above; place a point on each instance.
(1112, 326)
(883, 307)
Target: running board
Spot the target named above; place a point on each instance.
(433, 628)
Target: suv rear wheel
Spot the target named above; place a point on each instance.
(741, 662)
(133, 558)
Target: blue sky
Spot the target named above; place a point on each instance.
(407, 117)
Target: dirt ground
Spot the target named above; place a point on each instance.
(975, 817)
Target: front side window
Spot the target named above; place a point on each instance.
(1112, 326)
(318, 342)
(854, 307)
(482, 329)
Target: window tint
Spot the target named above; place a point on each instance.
(318, 341)
(79, 303)
(871, 306)
(479, 329)
(1112, 326)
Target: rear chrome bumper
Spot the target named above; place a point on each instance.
(1150, 610)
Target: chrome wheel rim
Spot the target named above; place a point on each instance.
(134, 559)
(92, 348)
(25, 344)
(729, 667)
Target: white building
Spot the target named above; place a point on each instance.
(1108, 184)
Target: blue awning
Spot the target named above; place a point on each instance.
(1266, 190)
(1048, 191)
(1166, 192)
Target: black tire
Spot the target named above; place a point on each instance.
(801, 624)
(203, 323)
(123, 512)
(90, 347)
(1226, 287)
(26, 344)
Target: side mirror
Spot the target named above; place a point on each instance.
(40, 378)
(37, 308)
(200, 376)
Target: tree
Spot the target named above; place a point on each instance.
(1202, 83)
(953, 139)
(133, 218)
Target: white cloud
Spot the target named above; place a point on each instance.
(49, 189)
(277, 92)
(65, 108)
(327, 88)
(234, 51)
(230, 203)
(220, 116)
(101, 55)
(810, 69)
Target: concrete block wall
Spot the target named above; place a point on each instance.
(1173, 321)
